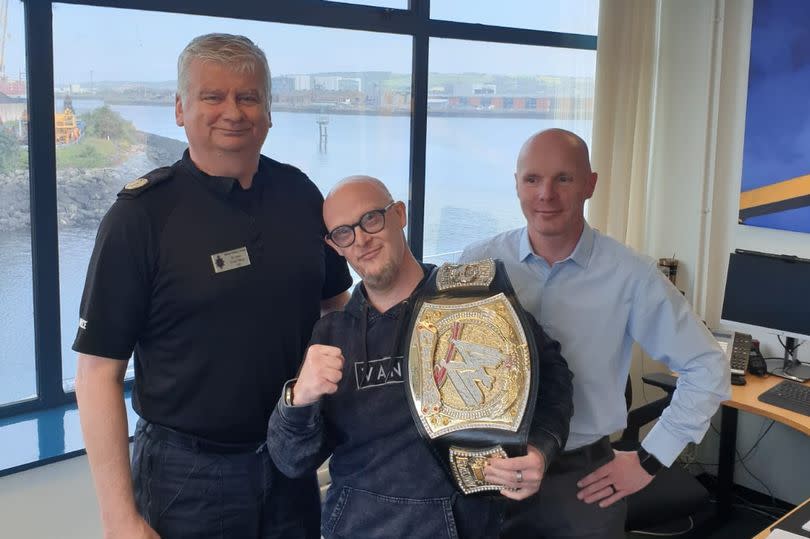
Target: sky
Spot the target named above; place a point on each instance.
(118, 44)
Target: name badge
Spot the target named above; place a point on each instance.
(230, 260)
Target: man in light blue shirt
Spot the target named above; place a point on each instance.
(597, 297)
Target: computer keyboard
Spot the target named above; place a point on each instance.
(789, 395)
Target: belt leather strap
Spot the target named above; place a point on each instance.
(195, 443)
(598, 452)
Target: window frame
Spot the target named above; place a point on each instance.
(38, 15)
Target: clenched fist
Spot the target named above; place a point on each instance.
(322, 370)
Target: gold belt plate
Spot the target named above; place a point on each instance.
(469, 366)
(468, 468)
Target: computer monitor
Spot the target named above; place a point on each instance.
(771, 292)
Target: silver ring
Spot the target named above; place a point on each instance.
(519, 476)
(612, 490)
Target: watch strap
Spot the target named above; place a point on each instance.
(649, 462)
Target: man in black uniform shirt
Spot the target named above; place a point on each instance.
(214, 271)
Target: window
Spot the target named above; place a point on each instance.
(15, 452)
(574, 16)
(17, 365)
(333, 115)
(484, 101)
(344, 102)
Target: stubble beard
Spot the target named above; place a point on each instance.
(383, 279)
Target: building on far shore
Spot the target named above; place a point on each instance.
(13, 87)
(12, 109)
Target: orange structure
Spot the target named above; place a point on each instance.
(67, 130)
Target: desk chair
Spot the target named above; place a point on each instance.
(674, 495)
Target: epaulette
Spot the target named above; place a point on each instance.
(144, 183)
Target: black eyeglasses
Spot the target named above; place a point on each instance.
(370, 222)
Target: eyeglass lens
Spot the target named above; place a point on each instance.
(371, 223)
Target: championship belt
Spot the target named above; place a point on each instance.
(471, 369)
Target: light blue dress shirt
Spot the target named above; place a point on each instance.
(597, 302)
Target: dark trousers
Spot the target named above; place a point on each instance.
(188, 487)
(556, 513)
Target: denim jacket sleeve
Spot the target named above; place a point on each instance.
(296, 437)
(555, 405)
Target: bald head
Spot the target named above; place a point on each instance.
(350, 195)
(363, 181)
(377, 248)
(558, 141)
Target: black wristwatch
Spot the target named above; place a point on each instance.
(650, 464)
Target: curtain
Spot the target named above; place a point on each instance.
(623, 115)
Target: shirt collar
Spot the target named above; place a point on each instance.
(221, 185)
(580, 255)
(524, 246)
(582, 252)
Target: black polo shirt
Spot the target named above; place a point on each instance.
(217, 290)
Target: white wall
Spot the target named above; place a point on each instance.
(51, 502)
(694, 195)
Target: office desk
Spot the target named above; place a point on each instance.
(745, 398)
(767, 531)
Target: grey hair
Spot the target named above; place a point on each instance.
(236, 52)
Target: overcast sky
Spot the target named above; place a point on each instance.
(118, 44)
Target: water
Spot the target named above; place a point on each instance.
(470, 195)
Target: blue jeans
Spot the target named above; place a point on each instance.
(182, 490)
(361, 514)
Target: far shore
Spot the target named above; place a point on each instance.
(328, 110)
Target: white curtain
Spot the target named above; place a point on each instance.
(625, 88)
(626, 59)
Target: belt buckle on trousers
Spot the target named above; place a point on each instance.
(582, 457)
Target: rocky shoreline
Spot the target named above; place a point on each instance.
(85, 195)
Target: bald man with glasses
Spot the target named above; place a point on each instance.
(349, 398)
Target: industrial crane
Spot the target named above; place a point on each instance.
(3, 27)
